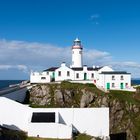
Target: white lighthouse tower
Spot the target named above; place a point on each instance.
(77, 54)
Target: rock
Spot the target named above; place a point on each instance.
(93, 138)
(58, 97)
(105, 101)
(86, 99)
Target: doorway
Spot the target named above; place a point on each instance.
(121, 85)
(85, 76)
(108, 86)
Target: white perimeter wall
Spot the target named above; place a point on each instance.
(13, 115)
(50, 130)
(36, 77)
(93, 121)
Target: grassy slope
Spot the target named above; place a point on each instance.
(33, 138)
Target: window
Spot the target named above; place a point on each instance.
(43, 78)
(47, 73)
(68, 73)
(121, 77)
(113, 85)
(77, 75)
(113, 77)
(43, 117)
(59, 73)
(92, 75)
(80, 52)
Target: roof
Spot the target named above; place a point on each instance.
(114, 72)
(76, 39)
(88, 68)
(77, 69)
(51, 69)
(91, 68)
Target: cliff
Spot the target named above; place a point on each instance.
(124, 106)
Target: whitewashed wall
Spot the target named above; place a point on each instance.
(107, 78)
(63, 69)
(36, 77)
(13, 114)
(50, 130)
(93, 121)
(77, 58)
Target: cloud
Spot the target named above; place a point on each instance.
(25, 56)
(129, 66)
(96, 57)
(38, 55)
(19, 67)
(94, 18)
(31, 54)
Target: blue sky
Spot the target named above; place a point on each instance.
(37, 34)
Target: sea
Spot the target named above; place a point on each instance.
(7, 83)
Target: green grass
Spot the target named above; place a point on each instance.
(34, 138)
(124, 96)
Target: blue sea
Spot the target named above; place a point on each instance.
(135, 81)
(6, 83)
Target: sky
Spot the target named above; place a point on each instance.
(38, 34)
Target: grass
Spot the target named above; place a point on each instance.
(35, 138)
(124, 96)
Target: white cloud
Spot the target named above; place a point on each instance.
(19, 67)
(129, 66)
(33, 54)
(94, 18)
(5, 67)
(24, 56)
(96, 57)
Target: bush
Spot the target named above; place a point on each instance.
(12, 135)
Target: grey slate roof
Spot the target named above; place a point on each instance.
(114, 72)
(75, 69)
(51, 69)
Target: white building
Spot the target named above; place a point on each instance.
(103, 77)
(54, 122)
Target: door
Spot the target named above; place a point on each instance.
(108, 85)
(85, 76)
(53, 76)
(121, 85)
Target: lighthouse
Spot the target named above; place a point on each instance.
(77, 54)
